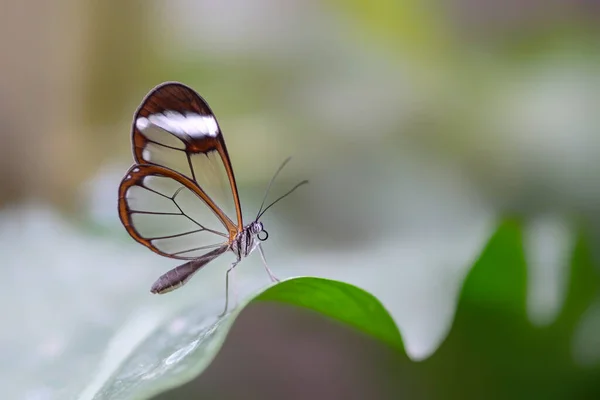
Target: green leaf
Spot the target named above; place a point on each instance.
(493, 349)
(182, 347)
(340, 301)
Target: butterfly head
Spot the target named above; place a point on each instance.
(257, 228)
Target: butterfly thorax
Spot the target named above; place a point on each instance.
(247, 240)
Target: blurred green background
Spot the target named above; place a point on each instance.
(452, 149)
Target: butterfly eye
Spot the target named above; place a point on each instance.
(264, 237)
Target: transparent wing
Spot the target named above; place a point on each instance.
(175, 128)
(170, 214)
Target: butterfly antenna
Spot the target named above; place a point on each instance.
(281, 197)
(287, 160)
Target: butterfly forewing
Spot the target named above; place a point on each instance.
(175, 128)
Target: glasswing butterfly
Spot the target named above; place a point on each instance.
(178, 149)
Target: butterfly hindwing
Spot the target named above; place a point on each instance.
(170, 214)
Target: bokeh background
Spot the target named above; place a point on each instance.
(434, 134)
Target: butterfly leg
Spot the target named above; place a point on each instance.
(231, 269)
(264, 260)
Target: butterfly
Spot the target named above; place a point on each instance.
(166, 201)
